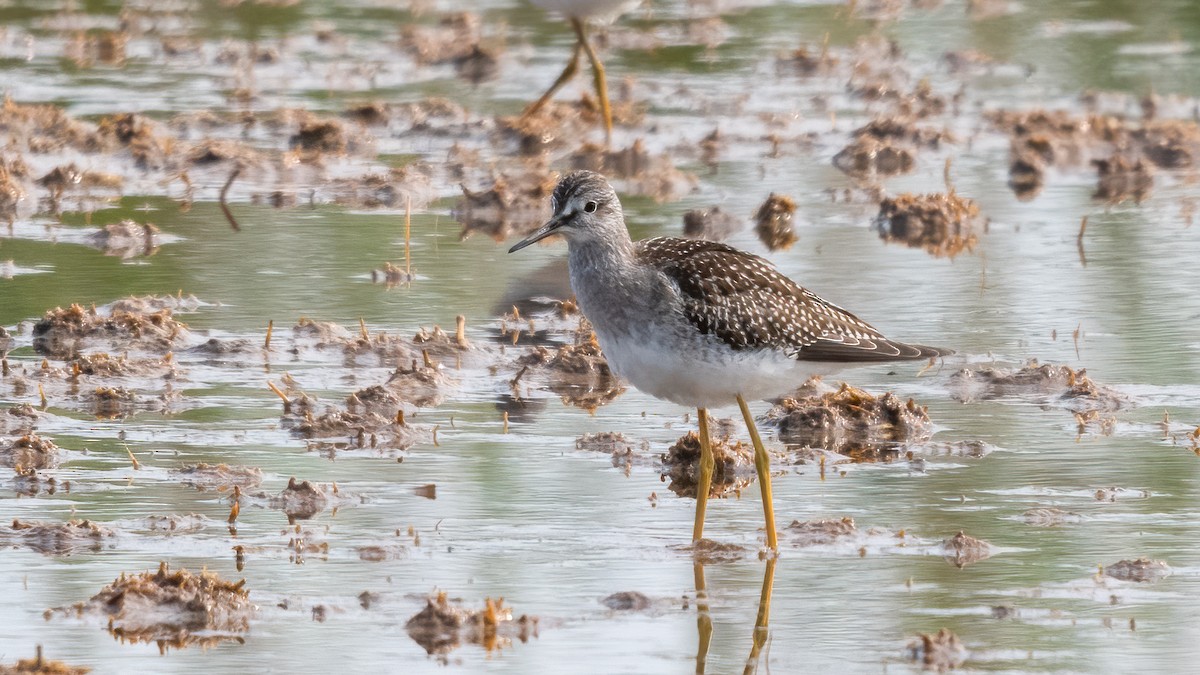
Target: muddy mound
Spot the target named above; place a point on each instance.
(713, 224)
(1141, 569)
(444, 625)
(850, 421)
(944, 224)
(577, 372)
(733, 469)
(962, 549)
(56, 538)
(175, 609)
(1051, 382)
(939, 652)
(18, 419)
(39, 665)
(219, 476)
(819, 532)
(28, 452)
(773, 222)
(62, 333)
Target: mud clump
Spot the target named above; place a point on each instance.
(1120, 180)
(1050, 517)
(712, 224)
(1026, 177)
(850, 421)
(516, 203)
(443, 626)
(868, 157)
(219, 476)
(300, 500)
(28, 452)
(1063, 384)
(962, 549)
(61, 332)
(320, 136)
(943, 224)
(18, 419)
(627, 601)
(820, 532)
(56, 538)
(39, 665)
(733, 470)
(126, 239)
(1141, 570)
(940, 651)
(577, 372)
(773, 222)
(710, 552)
(359, 426)
(642, 173)
(175, 609)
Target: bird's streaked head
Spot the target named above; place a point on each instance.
(585, 208)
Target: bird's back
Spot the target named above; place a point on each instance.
(742, 300)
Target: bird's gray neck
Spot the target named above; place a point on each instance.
(611, 288)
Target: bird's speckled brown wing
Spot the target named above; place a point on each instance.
(747, 304)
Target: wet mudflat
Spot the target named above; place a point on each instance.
(184, 489)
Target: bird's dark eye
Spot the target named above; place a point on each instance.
(590, 207)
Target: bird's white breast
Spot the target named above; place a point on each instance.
(600, 10)
(704, 375)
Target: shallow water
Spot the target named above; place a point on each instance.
(526, 516)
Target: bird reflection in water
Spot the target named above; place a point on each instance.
(704, 624)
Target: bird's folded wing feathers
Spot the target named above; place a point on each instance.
(745, 302)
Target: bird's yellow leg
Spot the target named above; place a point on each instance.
(704, 626)
(704, 480)
(764, 616)
(598, 75)
(762, 464)
(567, 73)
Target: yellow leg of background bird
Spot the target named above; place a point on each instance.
(598, 75)
(567, 73)
(764, 616)
(704, 626)
(704, 480)
(762, 464)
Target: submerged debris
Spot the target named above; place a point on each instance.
(773, 222)
(962, 550)
(851, 422)
(442, 626)
(175, 609)
(733, 470)
(219, 476)
(1141, 569)
(1050, 516)
(712, 224)
(627, 601)
(940, 651)
(1072, 388)
(126, 239)
(820, 532)
(56, 538)
(941, 223)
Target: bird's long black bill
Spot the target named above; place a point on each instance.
(544, 231)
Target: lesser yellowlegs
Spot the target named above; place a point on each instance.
(578, 13)
(701, 323)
